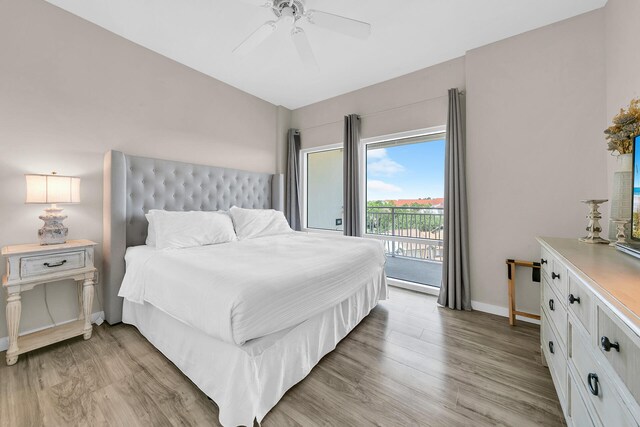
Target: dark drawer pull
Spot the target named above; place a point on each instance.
(46, 264)
(554, 275)
(543, 261)
(573, 299)
(608, 345)
(592, 380)
(551, 347)
(551, 305)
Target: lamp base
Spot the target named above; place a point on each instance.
(53, 232)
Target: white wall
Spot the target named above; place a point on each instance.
(535, 115)
(70, 91)
(282, 129)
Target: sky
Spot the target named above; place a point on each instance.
(406, 172)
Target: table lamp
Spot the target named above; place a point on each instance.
(52, 189)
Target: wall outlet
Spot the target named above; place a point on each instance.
(338, 221)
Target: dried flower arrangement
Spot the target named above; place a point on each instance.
(626, 126)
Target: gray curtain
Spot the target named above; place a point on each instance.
(351, 184)
(454, 292)
(292, 191)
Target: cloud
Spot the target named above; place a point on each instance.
(383, 187)
(376, 154)
(379, 163)
(385, 167)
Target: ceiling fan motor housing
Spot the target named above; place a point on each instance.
(279, 6)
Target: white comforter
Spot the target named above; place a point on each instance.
(247, 289)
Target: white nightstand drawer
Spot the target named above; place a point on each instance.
(52, 263)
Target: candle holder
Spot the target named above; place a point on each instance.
(594, 229)
(621, 231)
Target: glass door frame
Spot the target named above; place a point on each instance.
(364, 144)
(304, 184)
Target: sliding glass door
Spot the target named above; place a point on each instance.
(405, 205)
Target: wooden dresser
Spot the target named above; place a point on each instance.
(590, 332)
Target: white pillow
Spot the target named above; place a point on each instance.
(151, 230)
(188, 229)
(251, 223)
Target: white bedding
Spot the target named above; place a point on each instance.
(248, 289)
(247, 381)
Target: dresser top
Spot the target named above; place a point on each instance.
(36, 248)
(613, 275)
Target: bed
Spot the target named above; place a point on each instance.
(244, 320)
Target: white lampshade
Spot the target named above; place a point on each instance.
(52, 189)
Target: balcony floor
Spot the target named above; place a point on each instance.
(413, 270)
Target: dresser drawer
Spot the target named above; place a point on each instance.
(556, 311)
(626, 360)
(582, 304)
(546, 262)
(555, 271)
(52, 263)
(555, 354)
(596, 385)
(578, 412)
(559, 277)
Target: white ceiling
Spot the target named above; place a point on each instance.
(407, 35)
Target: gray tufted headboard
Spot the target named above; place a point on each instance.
(134, 185)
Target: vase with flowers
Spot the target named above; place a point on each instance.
(620, 136)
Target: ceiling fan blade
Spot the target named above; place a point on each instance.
(261, 3)
(256, 38)
(303, 47)
(340, 24)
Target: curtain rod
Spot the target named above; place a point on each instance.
(374, 113)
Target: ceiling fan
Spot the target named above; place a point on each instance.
(288, 13)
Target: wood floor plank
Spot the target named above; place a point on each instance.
(408, 363)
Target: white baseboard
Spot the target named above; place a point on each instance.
(499, 311)
(96, 318)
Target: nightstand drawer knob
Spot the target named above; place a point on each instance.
(58, 264)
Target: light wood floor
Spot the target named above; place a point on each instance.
(408, 363)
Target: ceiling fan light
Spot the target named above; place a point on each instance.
(287, 16)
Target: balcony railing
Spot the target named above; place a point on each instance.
(412, 232)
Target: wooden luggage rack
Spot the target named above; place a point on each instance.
(511, 275)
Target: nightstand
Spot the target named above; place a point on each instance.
(31, 265)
